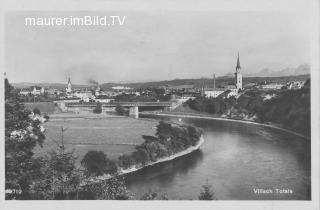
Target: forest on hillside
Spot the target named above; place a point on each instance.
(289, 109)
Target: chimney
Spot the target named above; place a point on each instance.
(214, 81)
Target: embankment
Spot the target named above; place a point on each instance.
(139, 167)
(200, 116)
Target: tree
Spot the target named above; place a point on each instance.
(98, 108)
(60, 179)
(110, 189)
(22, 134)
(307, 83)
(206, 193)
(152, 195)
(125, 161)
(96, 163)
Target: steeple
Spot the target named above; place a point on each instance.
(238, 63)
(69, 86)
(238, 76)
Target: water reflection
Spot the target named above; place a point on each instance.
(235, 158)
(164, 173)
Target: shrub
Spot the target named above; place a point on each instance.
(111, 189)
(152, 195)
(96, 163)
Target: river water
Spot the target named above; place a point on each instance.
(237, 159)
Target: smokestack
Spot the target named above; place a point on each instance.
(214, 81)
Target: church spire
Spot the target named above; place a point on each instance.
(238, 63)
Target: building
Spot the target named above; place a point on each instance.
(103, 99)
(37, 90)
(272, 86)
(238, 75)
(213, 92)
(69, 86)
(25, 91)
(229, 90)
(121, 88)
(295, 85)
(85, 95)
(53, 91)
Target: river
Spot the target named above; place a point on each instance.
(238, 160)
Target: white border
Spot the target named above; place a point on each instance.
(311, 6)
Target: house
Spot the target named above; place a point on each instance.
(37, 90)
(25, 91)
(213, 92)
(121, 88)
(272, 86)
(295, 85)
(103, 99)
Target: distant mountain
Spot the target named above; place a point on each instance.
(300, 70)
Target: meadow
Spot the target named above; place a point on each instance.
(114, 135)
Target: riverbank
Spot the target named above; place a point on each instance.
(203, 116)
(139, 167)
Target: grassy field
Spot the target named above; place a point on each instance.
(111, 134)
(44, 107)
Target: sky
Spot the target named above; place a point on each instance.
(154, 45)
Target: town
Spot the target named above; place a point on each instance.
(209, 88)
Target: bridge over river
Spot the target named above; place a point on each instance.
(133, 106)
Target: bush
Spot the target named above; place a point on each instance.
(96, 163)
(111, 189)
(152, 195)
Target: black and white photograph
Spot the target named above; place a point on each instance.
(200, 102)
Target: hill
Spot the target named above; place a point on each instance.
(208, 82)
(198, 83)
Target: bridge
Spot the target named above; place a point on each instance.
(133, 106)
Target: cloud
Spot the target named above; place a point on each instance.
(154, 46)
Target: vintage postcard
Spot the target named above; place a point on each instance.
(160, 104)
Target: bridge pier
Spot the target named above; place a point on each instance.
(134, 112)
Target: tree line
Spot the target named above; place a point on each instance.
(287, 108)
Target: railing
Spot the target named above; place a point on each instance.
(113, 104)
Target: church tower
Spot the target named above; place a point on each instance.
(238, 75)
(68, 89)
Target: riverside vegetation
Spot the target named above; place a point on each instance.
(55, 176)
(289, 109)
